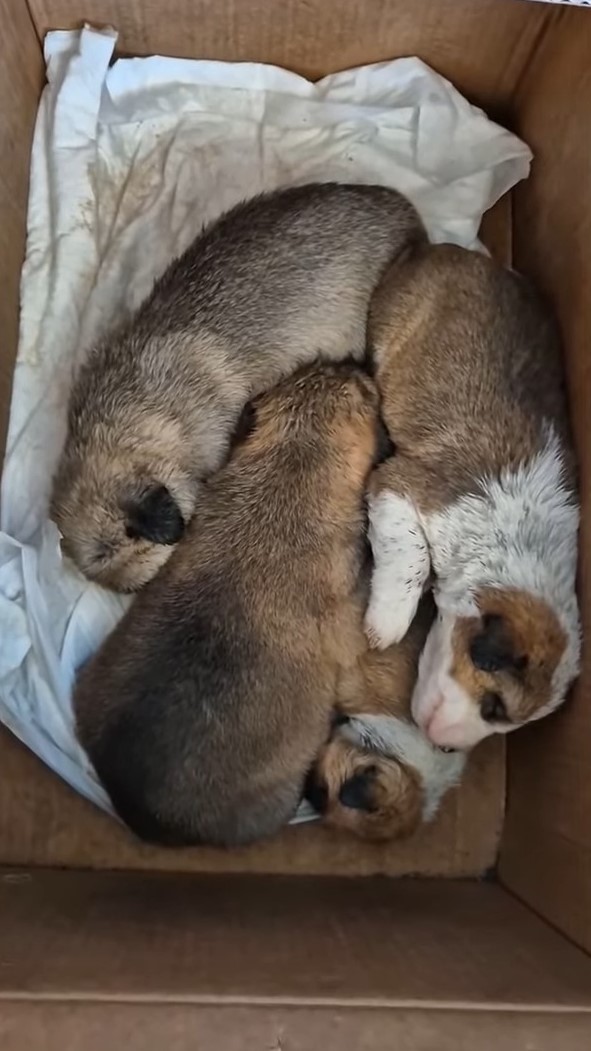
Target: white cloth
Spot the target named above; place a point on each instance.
(128, 162)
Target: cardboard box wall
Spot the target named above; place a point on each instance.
(233, 961)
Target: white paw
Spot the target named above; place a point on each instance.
(388, 617)
(401, 567)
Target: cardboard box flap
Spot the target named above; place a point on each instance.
(546, 855)
(53, 1026)
(314, 37)
(243, 939)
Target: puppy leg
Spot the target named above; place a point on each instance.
(400, 553)
(400, 740)
(363, 792)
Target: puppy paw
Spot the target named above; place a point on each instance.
(401, 567)
(387, 622)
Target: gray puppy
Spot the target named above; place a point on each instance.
(268, 287)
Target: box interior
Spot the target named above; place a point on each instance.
(361, 945)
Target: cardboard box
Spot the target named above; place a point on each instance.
(273, 948)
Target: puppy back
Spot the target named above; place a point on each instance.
(469, 366)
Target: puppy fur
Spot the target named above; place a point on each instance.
(272, 285)
(205, 708)
(481, 491)
(379, 777)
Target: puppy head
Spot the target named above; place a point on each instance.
(492, 672)
(327, 413)
(120, 518)
(366, 793)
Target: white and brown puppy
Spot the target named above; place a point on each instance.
(205, 708)
(268, 287)
(379, 776)
(481, 492)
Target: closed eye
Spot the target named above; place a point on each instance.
(103, 552)
(493, 708)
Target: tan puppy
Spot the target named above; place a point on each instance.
(379, 776)
(205, 708)
(267, 288)
(481, 491)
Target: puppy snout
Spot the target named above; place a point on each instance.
(428, 723)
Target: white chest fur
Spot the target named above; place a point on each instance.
(518, 531)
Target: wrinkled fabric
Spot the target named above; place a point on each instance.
(129, 160)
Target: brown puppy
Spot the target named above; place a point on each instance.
(379, 776)
(267, 288)
(205, 708)
(481, 491)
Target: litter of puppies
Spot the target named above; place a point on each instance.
(274, 647)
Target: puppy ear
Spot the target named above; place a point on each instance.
(493, 648)
(357, 792)
(154, 516)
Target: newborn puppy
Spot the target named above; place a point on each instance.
(481, 490)
(379, 776)
(204, 709)
(264, 290)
